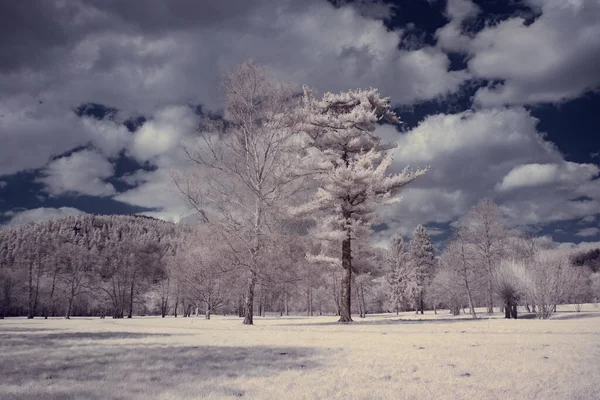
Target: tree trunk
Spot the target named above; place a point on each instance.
(207, 314)
(249, 300)
(362, 301)
(130, 315)
(422, 302)
(345, 310)
(336, 296)
(513, 311)
(30, 310)
(49, 304)
(491, 297)
(470, 297)
(175, 308)
(69, 306)
(507, 309)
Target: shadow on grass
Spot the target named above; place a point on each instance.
(575, 315)
(103, 370)
(27, 337)
(390, 321)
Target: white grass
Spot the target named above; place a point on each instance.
(381, 357)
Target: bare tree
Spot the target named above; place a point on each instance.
(239, 175)
(485, 230)
(458, 256)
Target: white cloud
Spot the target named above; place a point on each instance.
(450, 36)
(588, 232)
(40, 214)
(164, 133)
(471, 153)
(82, 172)
(553, 59)
(156, 190)
(588, 219)
(531, 175)
(3, 184)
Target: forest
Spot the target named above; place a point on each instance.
(286, 189)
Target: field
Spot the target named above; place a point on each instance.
(380, 357)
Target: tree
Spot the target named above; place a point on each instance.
(446, 287)
(458, 257)
(240, 167)
(484, 228)
(76, 263)
(543, 280)
(348, 163)
(509, 286)
(401, 278)
(421, 255)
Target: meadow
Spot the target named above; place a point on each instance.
(380, 357)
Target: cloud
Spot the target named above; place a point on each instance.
(40, 214)
(586, 232)
(164, 133)
(531, 175)
(156, 190)
(3, 184)
(82, 172)
(484, 153)
(588, 219)
(144, 57)
(553, 59)
(450, 37)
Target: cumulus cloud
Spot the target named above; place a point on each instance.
(553, 59)
(588, 232)
(531, 175)
(164, 133)
(156, 190)
(82, 172)
(450, 37)
(485, 153)
(39, 214)
(145, 56)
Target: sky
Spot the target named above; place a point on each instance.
(499, 98)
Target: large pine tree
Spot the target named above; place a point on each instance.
(349, 164)
(422, 259)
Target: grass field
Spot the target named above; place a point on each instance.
(380, 357)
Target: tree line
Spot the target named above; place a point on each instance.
(286, 187)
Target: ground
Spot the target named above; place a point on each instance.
(380, 357)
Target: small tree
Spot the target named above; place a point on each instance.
(484, 228)
(349, 164)
(458, 256)
(401, 278)
(238, 175)
(421, 255)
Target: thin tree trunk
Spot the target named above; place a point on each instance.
(422, 302)
(491, 297)
(49, 304)
(69, 306)
(362, 301)
(208, 308)
(30, 310)
(249, 300)
(345, 310)
(470, 297)
(130, 315)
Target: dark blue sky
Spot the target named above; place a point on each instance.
(499, 97)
